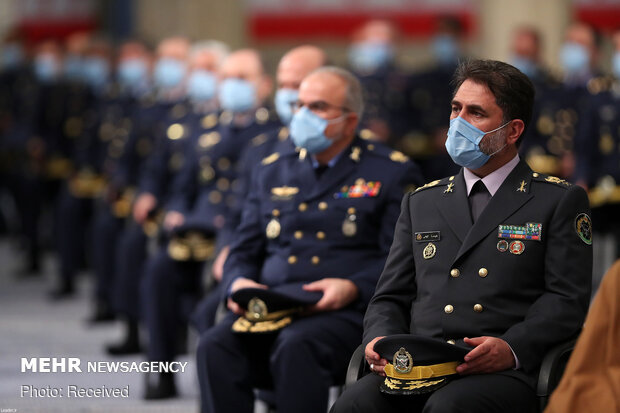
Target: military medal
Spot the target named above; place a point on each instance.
(273, 227)
(502, 245)
(349, 227)
(517, 247)
(429, 251)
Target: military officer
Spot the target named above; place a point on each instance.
(184, 124)
(428, 99)
(321, 215)
(292, 68)
(497, 258)
(372, 59)
(597, 152)
(109, 137)
(201, 202)
(550, 145)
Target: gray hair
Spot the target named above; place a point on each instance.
(354, 99)
(219, 49)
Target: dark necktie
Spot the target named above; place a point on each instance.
(478, 199)
(319, 170)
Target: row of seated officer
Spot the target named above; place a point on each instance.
(488, 269)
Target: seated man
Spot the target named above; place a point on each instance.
(322, 215)
(497, 257)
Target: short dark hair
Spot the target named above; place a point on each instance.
(513, 91)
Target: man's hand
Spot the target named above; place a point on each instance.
(238, 284)
(143, 205)
(490, 355)
(337, 293)
(173, 219)
(377, 364)
(217, 269)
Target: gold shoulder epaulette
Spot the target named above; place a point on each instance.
(368, 135)
(431, 184)
(551, 179)
(397, 156)
(270, 159)
(259, 140)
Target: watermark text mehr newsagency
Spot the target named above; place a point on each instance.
(75, 365)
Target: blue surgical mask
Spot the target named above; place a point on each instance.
(463, 143)
(45, 68)
(12, 55)
(308, 130)
(201, 85)
(237, 95)
(574, 58)
(445, 49)
(615, 65)
(285, 98)
(131, 72)
(96, 72)
(169, 73)
(367, 57)
(525, 65)
(73, 67)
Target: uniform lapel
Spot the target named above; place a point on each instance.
(454, 208)
(508, 199)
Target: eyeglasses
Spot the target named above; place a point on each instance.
(318, 106)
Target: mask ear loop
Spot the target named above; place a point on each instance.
(494, 130)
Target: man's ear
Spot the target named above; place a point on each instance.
(515, 130)
(352, 121)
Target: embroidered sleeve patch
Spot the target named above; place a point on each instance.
(583, 226)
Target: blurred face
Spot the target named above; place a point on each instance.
(245, 65)
(175, 48)
(582, 35)
(324, 95)
(204, 60)
(377, 31)
(525, 45)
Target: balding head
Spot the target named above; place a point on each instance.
(174, 47)
(297, 64)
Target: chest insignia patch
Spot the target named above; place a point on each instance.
(283, 193)
(361, 189)
(530, 231)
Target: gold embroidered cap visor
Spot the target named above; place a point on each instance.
(192, 242)
(270, 310)
(418, 365)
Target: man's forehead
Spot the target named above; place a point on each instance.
(324, 85)
(474, 93)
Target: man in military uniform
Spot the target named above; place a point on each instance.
(321, 215)
(184, 124)
(292, 68)
(372, 59)
(597, 144)
(201, 202)
(497, 258)
(428, 101)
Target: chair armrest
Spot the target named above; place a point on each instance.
(357, 366)
(553, 366)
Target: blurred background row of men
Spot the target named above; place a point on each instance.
(133, 161)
